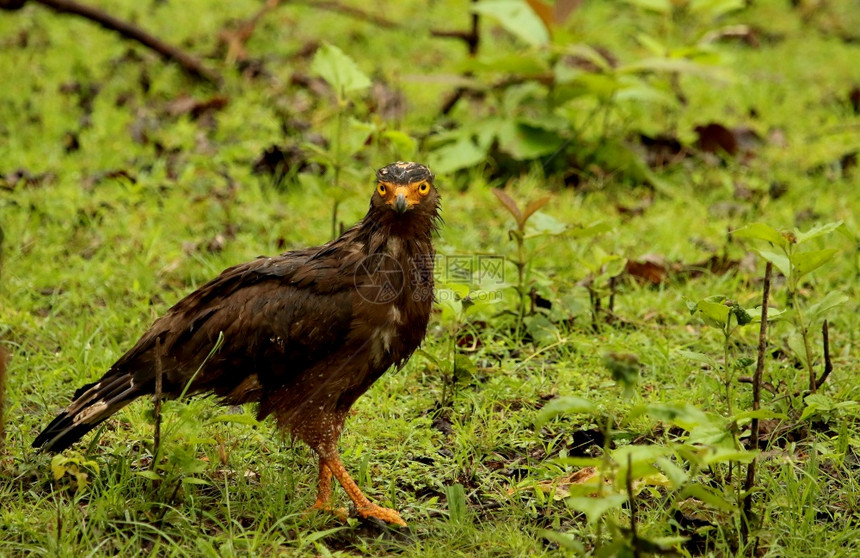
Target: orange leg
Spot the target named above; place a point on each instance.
(363, 506)
(323, 501)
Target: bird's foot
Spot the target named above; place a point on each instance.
(340, 513)
(384, 514)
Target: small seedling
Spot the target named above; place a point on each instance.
(785, 253)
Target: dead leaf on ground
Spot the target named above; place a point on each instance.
(277, 160)
(196, 108)
(854, 98)
(24, 178)
(651, 268)
(559, 487)
(662, 150)
(735, 33)
(740, 142)
(387, 102)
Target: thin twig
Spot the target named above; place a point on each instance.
(354, 13)
(188, 63)
(236, 40)
(754, 427)
(472, 39)
(828, 364)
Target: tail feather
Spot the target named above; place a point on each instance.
(92, 405)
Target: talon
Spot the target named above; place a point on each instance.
(383, 514)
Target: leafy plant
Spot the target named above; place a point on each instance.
(568, 105)
(75, 465)
(785, 252)
(719, 312)
(619, 476)
(456, 302)
(518, 235)
(346, 135)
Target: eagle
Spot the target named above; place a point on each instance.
(303, 334)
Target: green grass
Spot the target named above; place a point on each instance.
(90, 259)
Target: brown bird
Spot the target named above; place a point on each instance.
(304, 333)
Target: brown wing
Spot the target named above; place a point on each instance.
(276, 317)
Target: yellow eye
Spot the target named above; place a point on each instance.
(424, 189)
(380, 189)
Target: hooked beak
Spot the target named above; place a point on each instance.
(400, 205)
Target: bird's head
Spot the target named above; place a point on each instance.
(405, 189)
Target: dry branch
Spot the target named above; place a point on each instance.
(754, 427)
(828, 364)
(187, 62)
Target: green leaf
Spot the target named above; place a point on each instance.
(403, 143)
(640, 92)
(592, 229)
(194, 480)
(237, 418)
(715, 313)
(456, 496)
(641, 457)
(541, 329)
(761, 231)
(58, 468)
(450, 304)
(816, 231)
(726, 455)
(317, 535)
(464, 368)
(354, 137)
(541, 224)
(716, 8)
(524, 141)
(821, 308)
(516, 17)
(594, 508)
(676, 475)
(817, 402)
(563, 540)
(460, 154)
(709, 496)
(564, 405)
(778, 259)
(699, 357)
(795, 343)
(149, 474)
(659, 6)
(338, 70)
(806, 262)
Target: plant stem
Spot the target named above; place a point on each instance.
(521, 281)
(754, 426)
(804, 333)
(726, 369)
